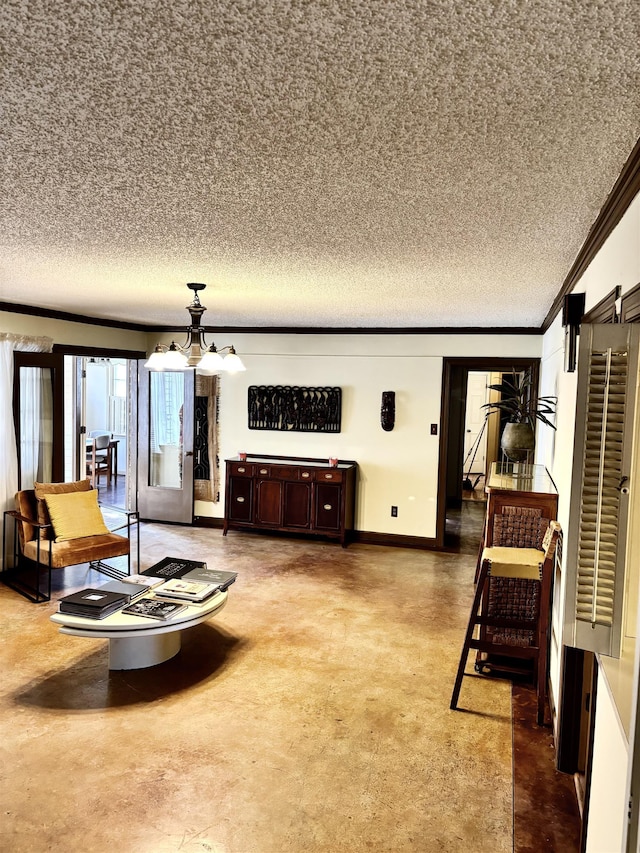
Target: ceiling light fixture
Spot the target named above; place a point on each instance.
(195, 352)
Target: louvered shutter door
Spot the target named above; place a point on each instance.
(596, 542)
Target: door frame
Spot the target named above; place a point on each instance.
(131, 356)
(449, 367)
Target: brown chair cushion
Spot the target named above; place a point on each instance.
(75, 551)
(42, 489)
(26, 506)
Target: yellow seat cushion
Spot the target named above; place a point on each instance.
(514, 562)
(75, 515)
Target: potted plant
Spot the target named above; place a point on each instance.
(521, 410)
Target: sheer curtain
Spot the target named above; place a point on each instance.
(9, 343)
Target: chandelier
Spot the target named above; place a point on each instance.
(195, 352)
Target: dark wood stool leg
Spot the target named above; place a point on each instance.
(469, 635)
(543, 640)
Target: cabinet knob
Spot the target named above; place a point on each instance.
(327, 506)
(263, 470)
(241, 470)
(328, 476)
(240, 500)
(306, 474)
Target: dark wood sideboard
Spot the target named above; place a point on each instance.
(291, 495)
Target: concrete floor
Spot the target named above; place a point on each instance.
(312, 715)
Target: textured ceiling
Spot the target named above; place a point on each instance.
(315, 162)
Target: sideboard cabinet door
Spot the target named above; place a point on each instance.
(297, 505)
(269, 503)
(328, 499)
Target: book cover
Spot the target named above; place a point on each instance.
(152, 608)
(143, 580)
(221, 579)
(130, 590)
(189, 590)
(172, 567)
(93, 599)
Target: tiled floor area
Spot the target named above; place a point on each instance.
(311, 715)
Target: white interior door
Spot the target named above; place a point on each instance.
(474, 423)
(165, 444)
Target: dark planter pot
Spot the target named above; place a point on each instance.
(517, 441)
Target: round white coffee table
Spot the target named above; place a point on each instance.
(136, 642)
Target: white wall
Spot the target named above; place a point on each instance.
(617, 263)
(607, 801)
(398, 467)
(72, 334)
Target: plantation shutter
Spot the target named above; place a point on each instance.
(596, 542)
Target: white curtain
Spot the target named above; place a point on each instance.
(9, 343)
(36, 425)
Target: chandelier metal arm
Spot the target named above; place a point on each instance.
(195, 352)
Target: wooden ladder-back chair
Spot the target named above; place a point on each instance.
(99, 456)
(520, 636)
(56, 525)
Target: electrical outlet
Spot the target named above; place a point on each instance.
(394, 512)
(434, 429)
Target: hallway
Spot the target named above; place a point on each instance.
(312, 715)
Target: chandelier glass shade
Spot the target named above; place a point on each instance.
(195, 352)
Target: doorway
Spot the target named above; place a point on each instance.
(103, 388)
(460, 522)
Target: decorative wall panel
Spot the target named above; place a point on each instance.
(294, 408)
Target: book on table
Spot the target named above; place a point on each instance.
(92, 603)
(186, 590)
(130, 590)
(221, 579)
(173, 567)
(143, 580)
(153, 608)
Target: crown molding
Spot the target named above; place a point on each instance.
(624, 191)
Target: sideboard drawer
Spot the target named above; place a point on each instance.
(241, 469)
(284, 472)
(329, 475)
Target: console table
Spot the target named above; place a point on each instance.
(292, 495)
(528, 487)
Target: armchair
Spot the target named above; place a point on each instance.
(56, 525)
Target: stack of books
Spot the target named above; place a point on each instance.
(177, 568)
(128, 589)
(92, 603)
(186, 591)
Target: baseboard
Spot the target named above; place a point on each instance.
(207, 521)
(392, 540)
(361, 536)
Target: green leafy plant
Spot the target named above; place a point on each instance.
(517, 402)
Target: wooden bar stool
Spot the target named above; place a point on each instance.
(501, 633)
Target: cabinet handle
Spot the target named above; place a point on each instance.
(240, 500)
(327, 506)
(263, 470)
(328, 476)
(241, 470)
(305, 474)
